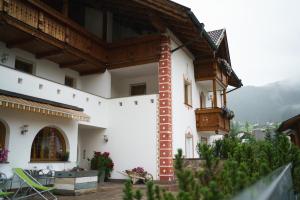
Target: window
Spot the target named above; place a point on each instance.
(2, 135)
(187, 93)
(24, 66)
(69, 81)
(189, 146)
(48, 145)
(138, 89)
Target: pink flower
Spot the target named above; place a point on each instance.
(3, 155)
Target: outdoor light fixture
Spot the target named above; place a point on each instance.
(24, 129)
(4, 57)
(105, 137)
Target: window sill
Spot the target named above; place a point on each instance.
(46, 161)
(1, 163)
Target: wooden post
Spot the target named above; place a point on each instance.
(104, 28)
(1, 5)
(5, 5)
(297, 135)
(65, 8)
(224, 97)
(215, 101)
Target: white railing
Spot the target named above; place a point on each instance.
(98, 108)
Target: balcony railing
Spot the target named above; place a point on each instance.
(18, 82)
(98, 108)
(212, 119)
(59, 34)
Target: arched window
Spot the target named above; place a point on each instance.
(189, 145)
(48, 145)
(2, 135)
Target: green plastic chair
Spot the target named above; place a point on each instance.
(5, 195)
(33, 185)
(3, 181)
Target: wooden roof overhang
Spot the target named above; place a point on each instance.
(292, 123)
(163, 15)
(33, 26)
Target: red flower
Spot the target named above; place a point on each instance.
(97, 153)
(106, 154)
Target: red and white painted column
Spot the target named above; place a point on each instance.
(166, 171)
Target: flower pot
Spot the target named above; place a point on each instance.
(101, 178)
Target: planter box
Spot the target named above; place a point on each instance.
(75, 183)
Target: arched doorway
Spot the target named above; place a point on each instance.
(2, 135)
(48, 145)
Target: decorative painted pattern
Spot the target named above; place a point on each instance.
(166, 172)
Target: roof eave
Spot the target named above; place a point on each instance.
(200, 27)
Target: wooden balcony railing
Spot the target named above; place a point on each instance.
(48, 25)
(212, 119)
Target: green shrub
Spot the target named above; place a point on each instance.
(229, 167)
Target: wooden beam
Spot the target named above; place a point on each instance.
(48, 54)
(157, 22)
(224, 97)
(20, 42)
(1, 5)
(163, 9)
(94, 71)
(72, 64)
(215, 100)
(65, 9)
(104, 27)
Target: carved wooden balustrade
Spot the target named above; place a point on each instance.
(212, 119)
(210, 70)
(41, 23)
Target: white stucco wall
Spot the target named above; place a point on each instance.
(42, 68)
(20, 145)
(132, 134)
(94, 106)
(99, 84)
(184, 121)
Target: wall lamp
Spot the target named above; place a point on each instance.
(105, 137)
(24, 129)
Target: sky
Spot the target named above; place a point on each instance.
(263, 36)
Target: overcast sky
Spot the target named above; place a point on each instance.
(263, 35)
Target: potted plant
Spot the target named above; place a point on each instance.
(104, 164)
(139, 175)
(3, 155)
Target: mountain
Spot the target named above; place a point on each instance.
(274, 102)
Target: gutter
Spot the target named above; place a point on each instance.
(200, 27)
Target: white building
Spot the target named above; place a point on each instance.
(137, 79)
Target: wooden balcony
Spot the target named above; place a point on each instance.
(33, 26)
(212, 119)
(210, 70)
